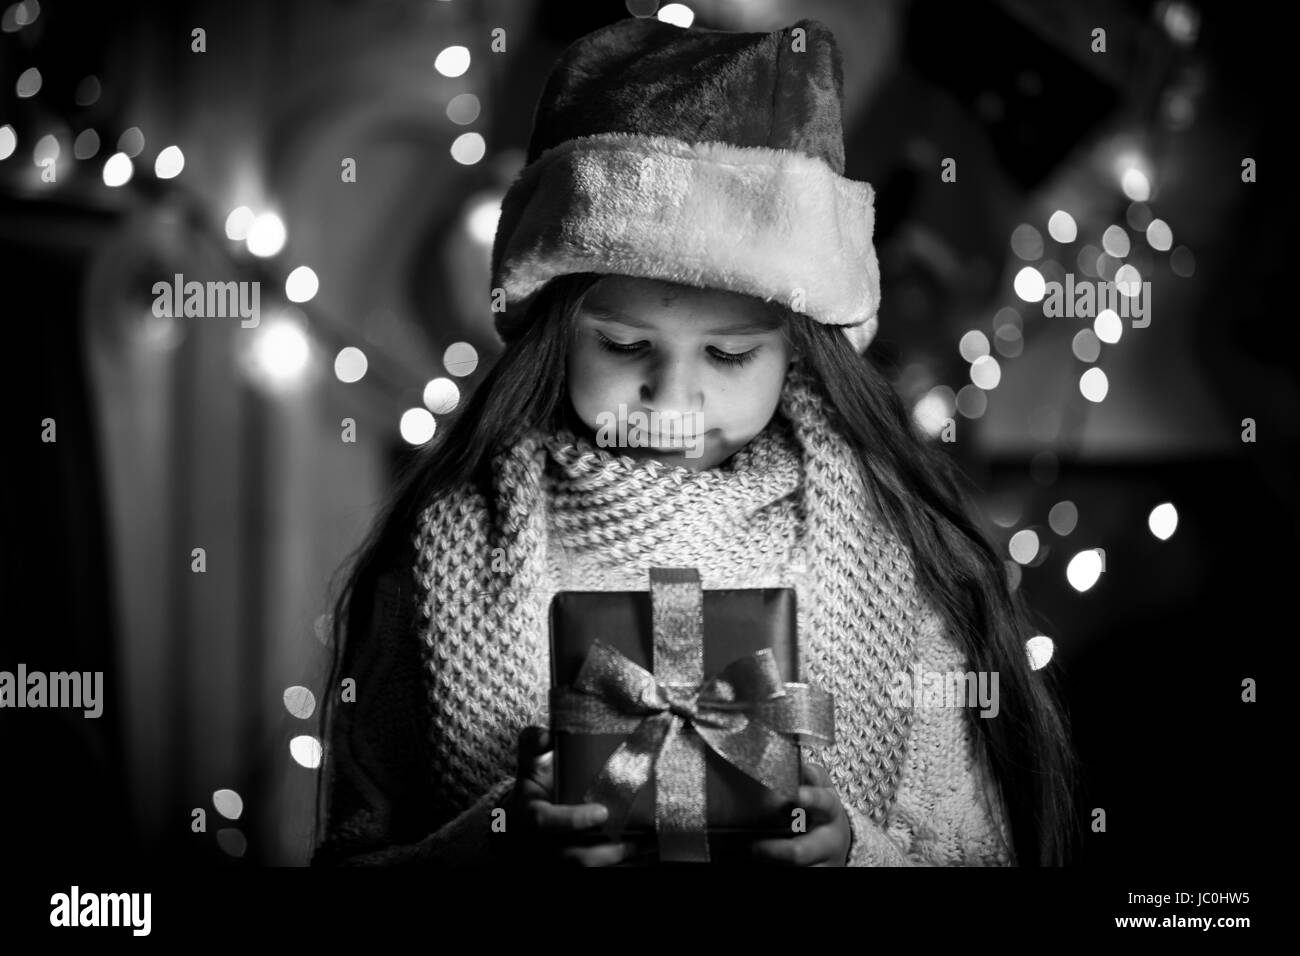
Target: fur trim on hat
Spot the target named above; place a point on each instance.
(772, 223)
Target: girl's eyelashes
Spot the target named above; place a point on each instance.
(611, 346)
(722, 358)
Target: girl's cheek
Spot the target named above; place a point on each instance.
(594, 389)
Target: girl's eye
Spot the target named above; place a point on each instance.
(738, 359)
(722, 358)
(612, 346)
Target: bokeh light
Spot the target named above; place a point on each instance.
(678, 14)
(1084, 570)
(228, 803)
(238, 223)
(47, 147)
(1027, 242)
(299, 701)
(1023, 546)
(452, 62)
(441, 396)
(1087, 260)
(1007, 316)
(481, 218)
(280, 352)
(306, 750)
(29, 83)
(1106, 266)
(1108, 326)
(1159, 236)
(1128, 280)
(1181, 20)
(1135, 184)
(417, 425)
(973, 345)
(1085, 345)
(118, 170)
(463, 109)
(468, 148)
(232, 841)
(460, 359)
(8, 141)
(350, 364)
(933, 409)
(1063, 518)
(1029, 284)
(1094, 385)
(972, 401)
(1008, 341)
(1039, 649)
(1006, 509)
(169, 163)
(1115, 241)
(1163, 521)
(986, 372)
(266, 235)
(19, 15)
(301, 285)
(131, 142)
(88, 91)
(86, 145)
(1138, 216)
(1062, 227)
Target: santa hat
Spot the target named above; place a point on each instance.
(704, 157)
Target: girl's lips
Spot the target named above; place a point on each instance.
(646, 440)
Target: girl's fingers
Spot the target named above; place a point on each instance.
(781, 852)
(534, 743)
(604, 854)
(819, 801)
(806, 850)
(564, 818)
(544, 771)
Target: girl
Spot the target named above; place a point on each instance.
(682, 246)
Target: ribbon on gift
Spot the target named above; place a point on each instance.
(745, 714)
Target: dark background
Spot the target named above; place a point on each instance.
(166, 440)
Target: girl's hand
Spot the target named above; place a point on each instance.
(551, 832)
(827, 841)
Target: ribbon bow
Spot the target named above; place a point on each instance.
(745, 714)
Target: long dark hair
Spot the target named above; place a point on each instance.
(918, 488)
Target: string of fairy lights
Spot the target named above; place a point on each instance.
(1117, 259)
(281, 351)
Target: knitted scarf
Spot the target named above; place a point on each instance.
(787, 510)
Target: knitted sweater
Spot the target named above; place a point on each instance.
(455, 664)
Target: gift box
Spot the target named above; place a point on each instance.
(679, 710)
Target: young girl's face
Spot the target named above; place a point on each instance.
(692, 373)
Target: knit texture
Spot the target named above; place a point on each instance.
(788, 510)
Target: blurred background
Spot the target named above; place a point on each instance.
(350, 156)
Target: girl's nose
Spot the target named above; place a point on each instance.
(671, 386)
